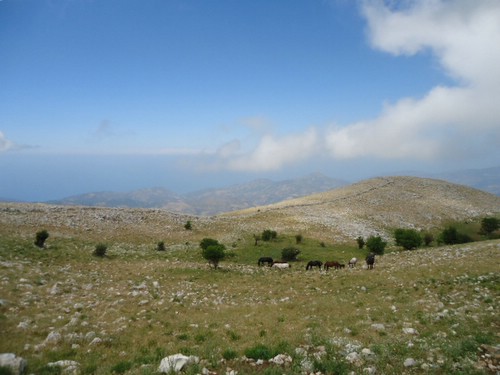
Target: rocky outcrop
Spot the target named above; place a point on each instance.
(17, 365)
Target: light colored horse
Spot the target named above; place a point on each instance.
(281, 266)
(353, 262)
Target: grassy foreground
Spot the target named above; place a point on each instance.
(424, 311)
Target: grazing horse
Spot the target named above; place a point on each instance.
(334, 264)
(352, 262)
(281, 265)
(264, 260)
(314, 263)
(370, 261)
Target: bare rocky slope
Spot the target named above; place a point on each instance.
(375, 206)
(371, 207)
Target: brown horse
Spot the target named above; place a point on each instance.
(333, 264)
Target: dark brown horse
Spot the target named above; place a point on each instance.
(265, 260)
(370, 261)
(314, 263)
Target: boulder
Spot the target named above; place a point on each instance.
(176, 362)
(17, 365)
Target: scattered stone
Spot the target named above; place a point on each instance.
(281, 359)
(378, 327)
(352, 357)
(410, 331)
(23, 325)
(67, 367)
(176, 363)
(53, 338)
(78, 306)
(367, 352)
(409, 362)
(489, 357)
(95, 341)
(17, 365)
(56, 289)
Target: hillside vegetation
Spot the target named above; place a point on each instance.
(432, 310)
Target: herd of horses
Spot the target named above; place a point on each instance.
(370, 262)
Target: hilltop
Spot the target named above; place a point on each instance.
(375, 206)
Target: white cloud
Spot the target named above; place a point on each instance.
(273, 153)
(448, 123)
(464, 36)
(5, 144)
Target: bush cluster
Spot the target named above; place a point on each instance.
(290, 253)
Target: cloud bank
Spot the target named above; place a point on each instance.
(448, 123)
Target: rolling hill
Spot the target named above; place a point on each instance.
(371, 207)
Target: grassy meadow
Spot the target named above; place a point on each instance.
(422, 311)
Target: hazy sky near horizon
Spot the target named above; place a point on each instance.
(118, 95)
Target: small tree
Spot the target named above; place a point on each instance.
(408, 238)
(206, 242)
(451, 236)
(214, 254)
(188, 225)
(268, 235)
(290, 253)
(298, 238)
(361, 242)
(160, 246)
(376, 245)
(489, 225)
(100, 250)
(40, 238)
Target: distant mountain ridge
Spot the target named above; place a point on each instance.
(209, 201)
(259, 192)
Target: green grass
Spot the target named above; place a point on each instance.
(243, 309)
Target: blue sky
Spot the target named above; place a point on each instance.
(116, 95)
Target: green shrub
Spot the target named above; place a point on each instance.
(40, 238)
(298, 238)
(4, 370)
(233, 335)
(100, 250)
(376, 245)
(121, 367)
(408, 238)
(451, 236)
(160, 246)
(289, 253)
(188, 225)
(268, 235)
(229, 354)
(259, 351)
(489, 225)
